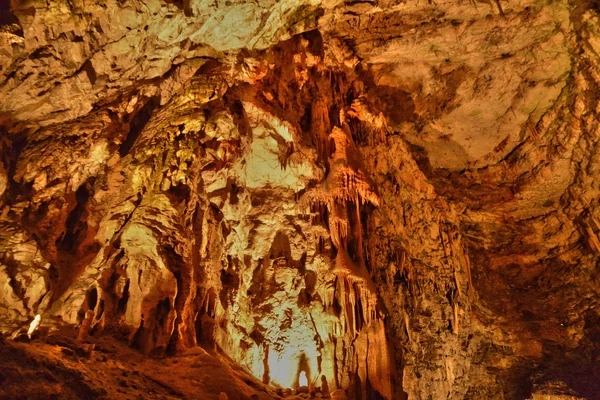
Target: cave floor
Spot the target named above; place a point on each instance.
(58, 367)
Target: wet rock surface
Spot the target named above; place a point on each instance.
(394, 200)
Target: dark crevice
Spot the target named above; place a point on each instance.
(182, 294)
(10, 149)
(230, 284)
(177, 3)
(76, 223)
(122, 304)
(100, 309)
(137, 125)
(88, 68)
(181, 332)
(92, 298)
(8, 20)
(140, 338)
(239, 116)
(12, 269)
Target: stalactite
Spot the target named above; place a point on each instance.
(455, 323)
(320, 126)
(346, 189)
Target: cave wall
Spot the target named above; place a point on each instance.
(400, 198)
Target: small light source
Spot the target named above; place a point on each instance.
(303, 381)
(34, 324)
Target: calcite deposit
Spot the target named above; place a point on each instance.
(300, 198)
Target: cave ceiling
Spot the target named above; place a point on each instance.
(377, 199)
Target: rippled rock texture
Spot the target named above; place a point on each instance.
(396, 199)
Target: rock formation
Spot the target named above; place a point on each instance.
(391, 199)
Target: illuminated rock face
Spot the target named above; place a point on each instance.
(378, 200)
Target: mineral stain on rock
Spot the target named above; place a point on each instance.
(299, 199)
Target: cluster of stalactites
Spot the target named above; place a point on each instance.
(344, 195)
(373, 125)
(359, 303)
(346, 189)
(347, 181)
